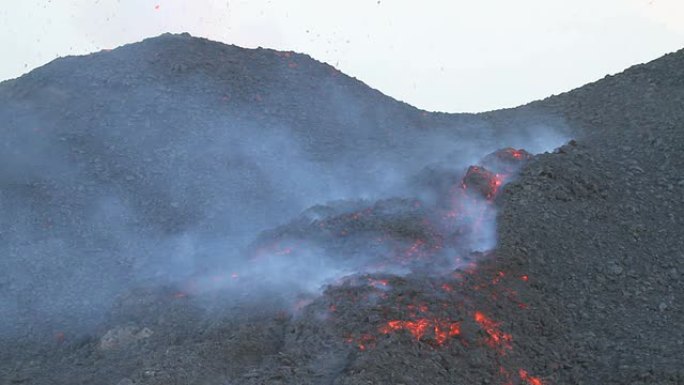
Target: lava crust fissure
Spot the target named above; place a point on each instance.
(119, 165)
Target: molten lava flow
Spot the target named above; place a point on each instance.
(507, 153)
(482, 181)
(496, 338)
(498, 277)
(435, 235)
(366, 340)
(443, 330)
(363, 342)
(378, 283)
(507, 159)
(529, 379)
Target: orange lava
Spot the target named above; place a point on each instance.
(529, 379)
(517, 154)
(497, 338)
(498, 277)
(482, 180)
(443, 330)
(378, 282)
(365, 341)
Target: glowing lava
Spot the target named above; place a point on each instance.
(481, 181)
(420, 237)
(506, 160)
(496, 338)
(443, 330)
(529, 379)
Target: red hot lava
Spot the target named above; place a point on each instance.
(424, 241)
(496, 338)
(482, 181)
(511, 155)
(529, 379)
(443, 330)
(506, 160)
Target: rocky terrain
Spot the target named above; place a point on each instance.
(179, 211)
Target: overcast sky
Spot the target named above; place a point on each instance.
(446, 55)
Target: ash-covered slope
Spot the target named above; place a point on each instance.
(118, 165)
(159, 161)
(600, 226)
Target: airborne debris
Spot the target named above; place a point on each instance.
(128, 112)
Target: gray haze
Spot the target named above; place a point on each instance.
(118, 171)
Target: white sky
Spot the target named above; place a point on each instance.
(448, 55)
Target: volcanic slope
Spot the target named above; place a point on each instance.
(121, 163)
(129, 150)
(600, 226)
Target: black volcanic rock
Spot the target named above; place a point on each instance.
(481, 182)
(123, 173)
(608, 250)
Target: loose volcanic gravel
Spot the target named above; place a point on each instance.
(117, 164)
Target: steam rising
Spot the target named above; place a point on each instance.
(146, 193)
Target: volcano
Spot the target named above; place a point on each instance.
(180, 211)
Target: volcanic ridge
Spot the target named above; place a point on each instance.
(181, 211)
